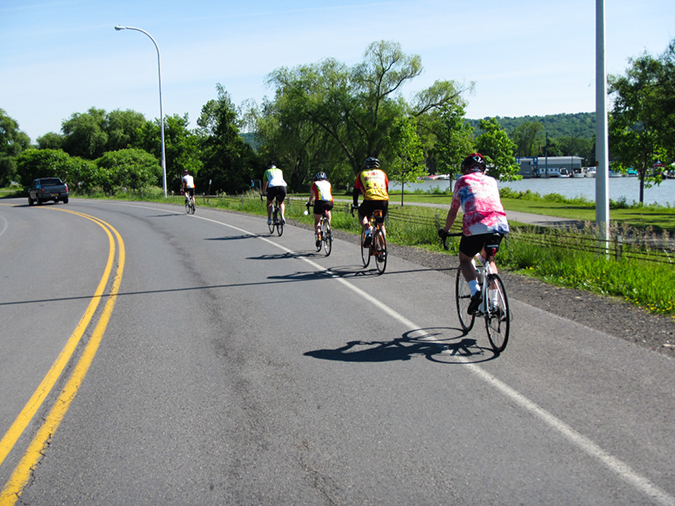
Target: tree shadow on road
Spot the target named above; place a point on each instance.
(430, 343)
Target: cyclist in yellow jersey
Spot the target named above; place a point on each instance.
(323, 201)
(373, 184)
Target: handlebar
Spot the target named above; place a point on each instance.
(444, 237)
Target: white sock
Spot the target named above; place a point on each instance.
(474, 286)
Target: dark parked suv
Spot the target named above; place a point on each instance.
(47, 188)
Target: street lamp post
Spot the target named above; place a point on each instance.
(161, 108)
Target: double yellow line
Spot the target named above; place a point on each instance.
(19, 478)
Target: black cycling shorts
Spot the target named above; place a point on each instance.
(368, 206)
(190, 191)
(276, 191)
(472, 244)
(321, 206)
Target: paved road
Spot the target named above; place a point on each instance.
(241, 368)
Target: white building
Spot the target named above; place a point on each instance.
(542, 166)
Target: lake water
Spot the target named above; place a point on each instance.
(627, 188)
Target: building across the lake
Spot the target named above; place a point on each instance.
(548, 166)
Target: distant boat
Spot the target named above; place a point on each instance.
(581, 172)
(632, 173)
(564, 173)
(615, 173)
(590, 172)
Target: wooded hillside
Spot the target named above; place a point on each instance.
(580, 125)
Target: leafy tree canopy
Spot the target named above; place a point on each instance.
(498, 150)
(12, 142)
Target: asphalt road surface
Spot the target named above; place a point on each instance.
(151, 357)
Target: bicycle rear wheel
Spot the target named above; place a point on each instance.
(187, 206)
(280, 225)
(327, 236)
(498, 318)
(192, 207)
(463, 299)
(380, 245)
(365, 251)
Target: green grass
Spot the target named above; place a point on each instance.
(650, 285)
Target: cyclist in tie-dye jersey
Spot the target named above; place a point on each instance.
(484, 222)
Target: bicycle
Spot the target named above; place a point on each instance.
(277, 222)
(494, 306)
(189, 204)
(378, 242)
(326, 238)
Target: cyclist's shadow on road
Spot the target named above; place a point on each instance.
(459, 350)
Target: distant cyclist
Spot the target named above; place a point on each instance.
(323, 201)
(373, 184)
(483, 223)
(275, 187)
(188, 184)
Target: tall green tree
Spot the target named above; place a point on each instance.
(451, 139)
(356, 108)
(499, 151)
(181, 144)
(123, 129)
(407, 162)
(228, 161)
(12, 143)
(636, 120)
(85, 134)
(50, 140)
(528, 137)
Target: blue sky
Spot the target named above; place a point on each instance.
(526, 57)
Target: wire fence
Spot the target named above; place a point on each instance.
(629, 244)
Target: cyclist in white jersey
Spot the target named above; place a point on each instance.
(323, 201)
(188, 185)
(275, 187)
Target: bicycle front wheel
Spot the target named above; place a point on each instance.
(192, 207)
(280, 227)
(327, 236)
(380, 245)
(498, 317)
(365, 251)
(463, 299)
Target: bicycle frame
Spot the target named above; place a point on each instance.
(494, 306)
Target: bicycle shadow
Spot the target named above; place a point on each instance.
(231, 238)
(282, 256)
(431, 344)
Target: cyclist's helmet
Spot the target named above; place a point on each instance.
(473, 163)
(320, 176)
(372, 163)
(272, 165)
